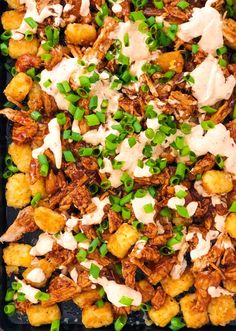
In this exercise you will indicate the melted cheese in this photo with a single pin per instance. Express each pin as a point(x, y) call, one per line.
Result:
point(206, 23)
point(115, 174)
point(215, 141)
point(96, 216)
point(137, 49)
point(210, 85)
point(52, 141)
point(31, 11)
point(138, 208)
point(43, 246)
point(85, 7)
point(116, 291)
point(61, 72)
point(29, 291)
point(67, 241)
point(216, 292)
point(36, 275)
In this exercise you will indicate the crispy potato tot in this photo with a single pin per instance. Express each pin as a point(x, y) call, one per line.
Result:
point(80, 34)
point(193, 318)
point(22, 47)
point(13, 3)
point(17, 255)
point(18, 193)
point(47, 269)
point(87, 298)
point(171, 61)
point(11, 269)
point(222, 310)
point(230, 285)
point(174, 287)
point(12, 19)
point(48, 220)
point(21, 155)
point(38, 187)
point(217, 182)
point(94, 317)
point(39, 315)
point(163, 316)
point(19, 87)
point(230, 225)
point(122, 240)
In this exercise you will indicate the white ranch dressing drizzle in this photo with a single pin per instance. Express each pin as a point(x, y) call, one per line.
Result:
point(32, 11)
point(36, 275)
point(203, 245)
point(125, 151)
point(67, 241)
point(96, 216)
point(61, 72)
point(215, 141)
point(216, 292)
point(29, 291)
point(43, 246)
point(207, 23)
point(137, 49)
point(142, 172)
point(74, 275)
point(220, 222)
point(84, 7)
point(52, 141)
point(210, 85)
point(115, 174)
point(116, 291)
point(138, 208)
point(98, 136)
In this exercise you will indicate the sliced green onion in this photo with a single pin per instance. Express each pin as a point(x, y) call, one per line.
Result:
point(158, 4)
point(99, 303)
point(9, 309)
point(9, 294)
point(223, 63)
point(209, 110)
point(36, 116)
point(44, 165)
point(47, 83)
point(207, 125)
point(105, 184)
point(16, 286)
point(182, 211)
point(137, 16)
point(166, 250)
point(55, 326)
point(42, 296)
point(120, 322)
point(181, 194)
point(80, 237)
point(69, 157)
point(140, 193)
point(165, 212)
point(195, 48)
point(46, 57)
point(92, 120)
point(93, 245)
point(183, 4)
point(94, 271)
point(125, 213)
point(219, 161)
point(232, 208)
point(127, 198)
point(61, 118)
point(37, 197)
point(148, 208)
point(81, 255)
point(79, 113)
point(103, 249)
point(31, 22)
point(132, 141)
point(176, 324)
point(86, 151)
point(126, 301)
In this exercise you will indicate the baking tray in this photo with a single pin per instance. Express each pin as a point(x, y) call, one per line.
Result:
point(71, 316)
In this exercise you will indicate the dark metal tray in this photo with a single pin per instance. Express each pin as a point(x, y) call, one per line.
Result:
point(71, 316)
